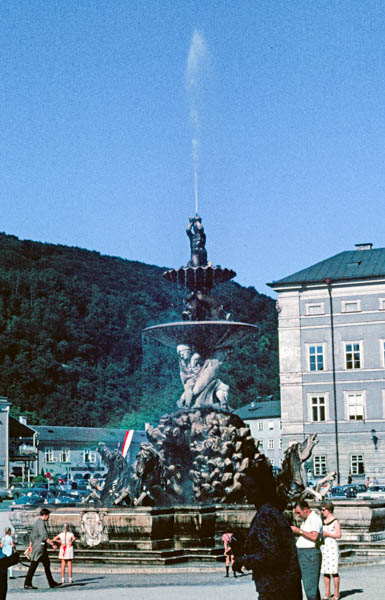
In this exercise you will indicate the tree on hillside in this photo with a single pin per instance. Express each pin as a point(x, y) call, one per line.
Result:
point(71, 326)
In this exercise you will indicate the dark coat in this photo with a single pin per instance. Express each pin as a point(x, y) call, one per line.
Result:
point(39, 536)
point(271, 553)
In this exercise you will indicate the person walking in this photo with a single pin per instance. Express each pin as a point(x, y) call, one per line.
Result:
point(229, 556)
point(331, 532)
point(5, 563)
point(309, 553)
point(7, 547)
point(270, 551)
point(66, 551)
point(38, 547)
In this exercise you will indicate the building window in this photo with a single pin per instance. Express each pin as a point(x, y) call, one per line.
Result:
point(280, 424)
point(49, 455)
point(271, 445)
point(381, 304)
point(349, 306)
point(316, 358)
point(315, 309)
point(89, 457)
point(357, 466)
point(280, 443)
point(353, 355)
point(382, 352)
point(260, 426)
point(319, 465)
point(318, 408)
point(65, 455)
point(271, 424)
point(355, 406)
point(260, 444)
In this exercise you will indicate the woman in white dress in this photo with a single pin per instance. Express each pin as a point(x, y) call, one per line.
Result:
point(66, 552)
point(331, 532)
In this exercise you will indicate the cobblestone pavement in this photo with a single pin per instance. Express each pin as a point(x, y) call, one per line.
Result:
point(356, 584)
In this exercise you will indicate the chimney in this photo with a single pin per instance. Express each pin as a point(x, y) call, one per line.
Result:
point(23, 420)
point(367, 246)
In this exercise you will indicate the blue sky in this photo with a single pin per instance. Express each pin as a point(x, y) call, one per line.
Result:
point(96, 134)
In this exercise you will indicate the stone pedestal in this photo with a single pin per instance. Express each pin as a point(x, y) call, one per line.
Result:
point(194, 526)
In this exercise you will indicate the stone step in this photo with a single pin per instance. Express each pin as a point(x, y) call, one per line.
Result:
point(145, 557)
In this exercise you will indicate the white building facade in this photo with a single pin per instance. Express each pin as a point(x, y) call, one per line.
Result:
point(332, 362)
point(264, 420)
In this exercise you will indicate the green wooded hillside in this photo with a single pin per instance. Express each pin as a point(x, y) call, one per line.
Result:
point(71, 324)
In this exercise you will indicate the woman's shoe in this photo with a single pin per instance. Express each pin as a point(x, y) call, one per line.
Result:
point(70, 581)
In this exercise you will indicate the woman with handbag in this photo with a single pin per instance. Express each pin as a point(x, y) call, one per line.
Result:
point(331, 532)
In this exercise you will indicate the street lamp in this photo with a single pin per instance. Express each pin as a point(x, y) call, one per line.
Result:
point(328, 282)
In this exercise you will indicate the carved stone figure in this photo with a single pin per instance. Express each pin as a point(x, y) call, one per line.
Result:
point(292, 479)
point(197, 239)
point(199, 377)
point(202, 307)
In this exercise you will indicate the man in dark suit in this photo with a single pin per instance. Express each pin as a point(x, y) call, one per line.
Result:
point(38, 547)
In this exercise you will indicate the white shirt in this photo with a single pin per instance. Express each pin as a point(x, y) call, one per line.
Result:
point(312, 523)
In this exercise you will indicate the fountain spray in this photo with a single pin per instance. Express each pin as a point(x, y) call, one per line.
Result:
point(197, 56)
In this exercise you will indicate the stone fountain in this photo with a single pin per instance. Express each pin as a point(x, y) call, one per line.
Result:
point(184, 490)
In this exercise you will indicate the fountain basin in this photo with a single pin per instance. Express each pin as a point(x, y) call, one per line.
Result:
point(208, 335)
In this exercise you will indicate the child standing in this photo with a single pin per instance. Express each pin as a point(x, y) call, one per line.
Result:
point(7, 547)
point(66, 552)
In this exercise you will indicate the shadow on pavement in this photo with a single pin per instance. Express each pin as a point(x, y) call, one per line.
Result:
point(347, 593)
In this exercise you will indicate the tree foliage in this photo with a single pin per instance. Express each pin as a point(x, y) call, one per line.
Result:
point(71, 326)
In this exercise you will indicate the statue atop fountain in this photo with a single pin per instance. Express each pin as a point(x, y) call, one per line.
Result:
point(197, 237)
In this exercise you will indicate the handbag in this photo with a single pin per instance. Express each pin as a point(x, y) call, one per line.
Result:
point(28, 554)
point(320, 539)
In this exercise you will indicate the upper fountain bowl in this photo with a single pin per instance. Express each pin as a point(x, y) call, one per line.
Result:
point(199, 278)
point(206, 335)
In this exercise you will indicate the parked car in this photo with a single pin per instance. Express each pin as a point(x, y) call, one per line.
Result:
point(341, 492)
point(5, 494)
point(359, 487)
point(66, 498)
point(350, 490)
point(30, 499)
point(372, 493)
point(19, 489)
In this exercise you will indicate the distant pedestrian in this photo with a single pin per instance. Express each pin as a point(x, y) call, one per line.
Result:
point(7, 547)
point(368, 482)
point(229, 554)
point(350, 478)
point(38, 548)
point(269, 550)
point(331, 532)
point(66, 552)
point(309, 553)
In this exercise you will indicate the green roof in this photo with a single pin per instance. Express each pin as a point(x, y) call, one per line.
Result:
point(259, 410)
point(348, 265)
